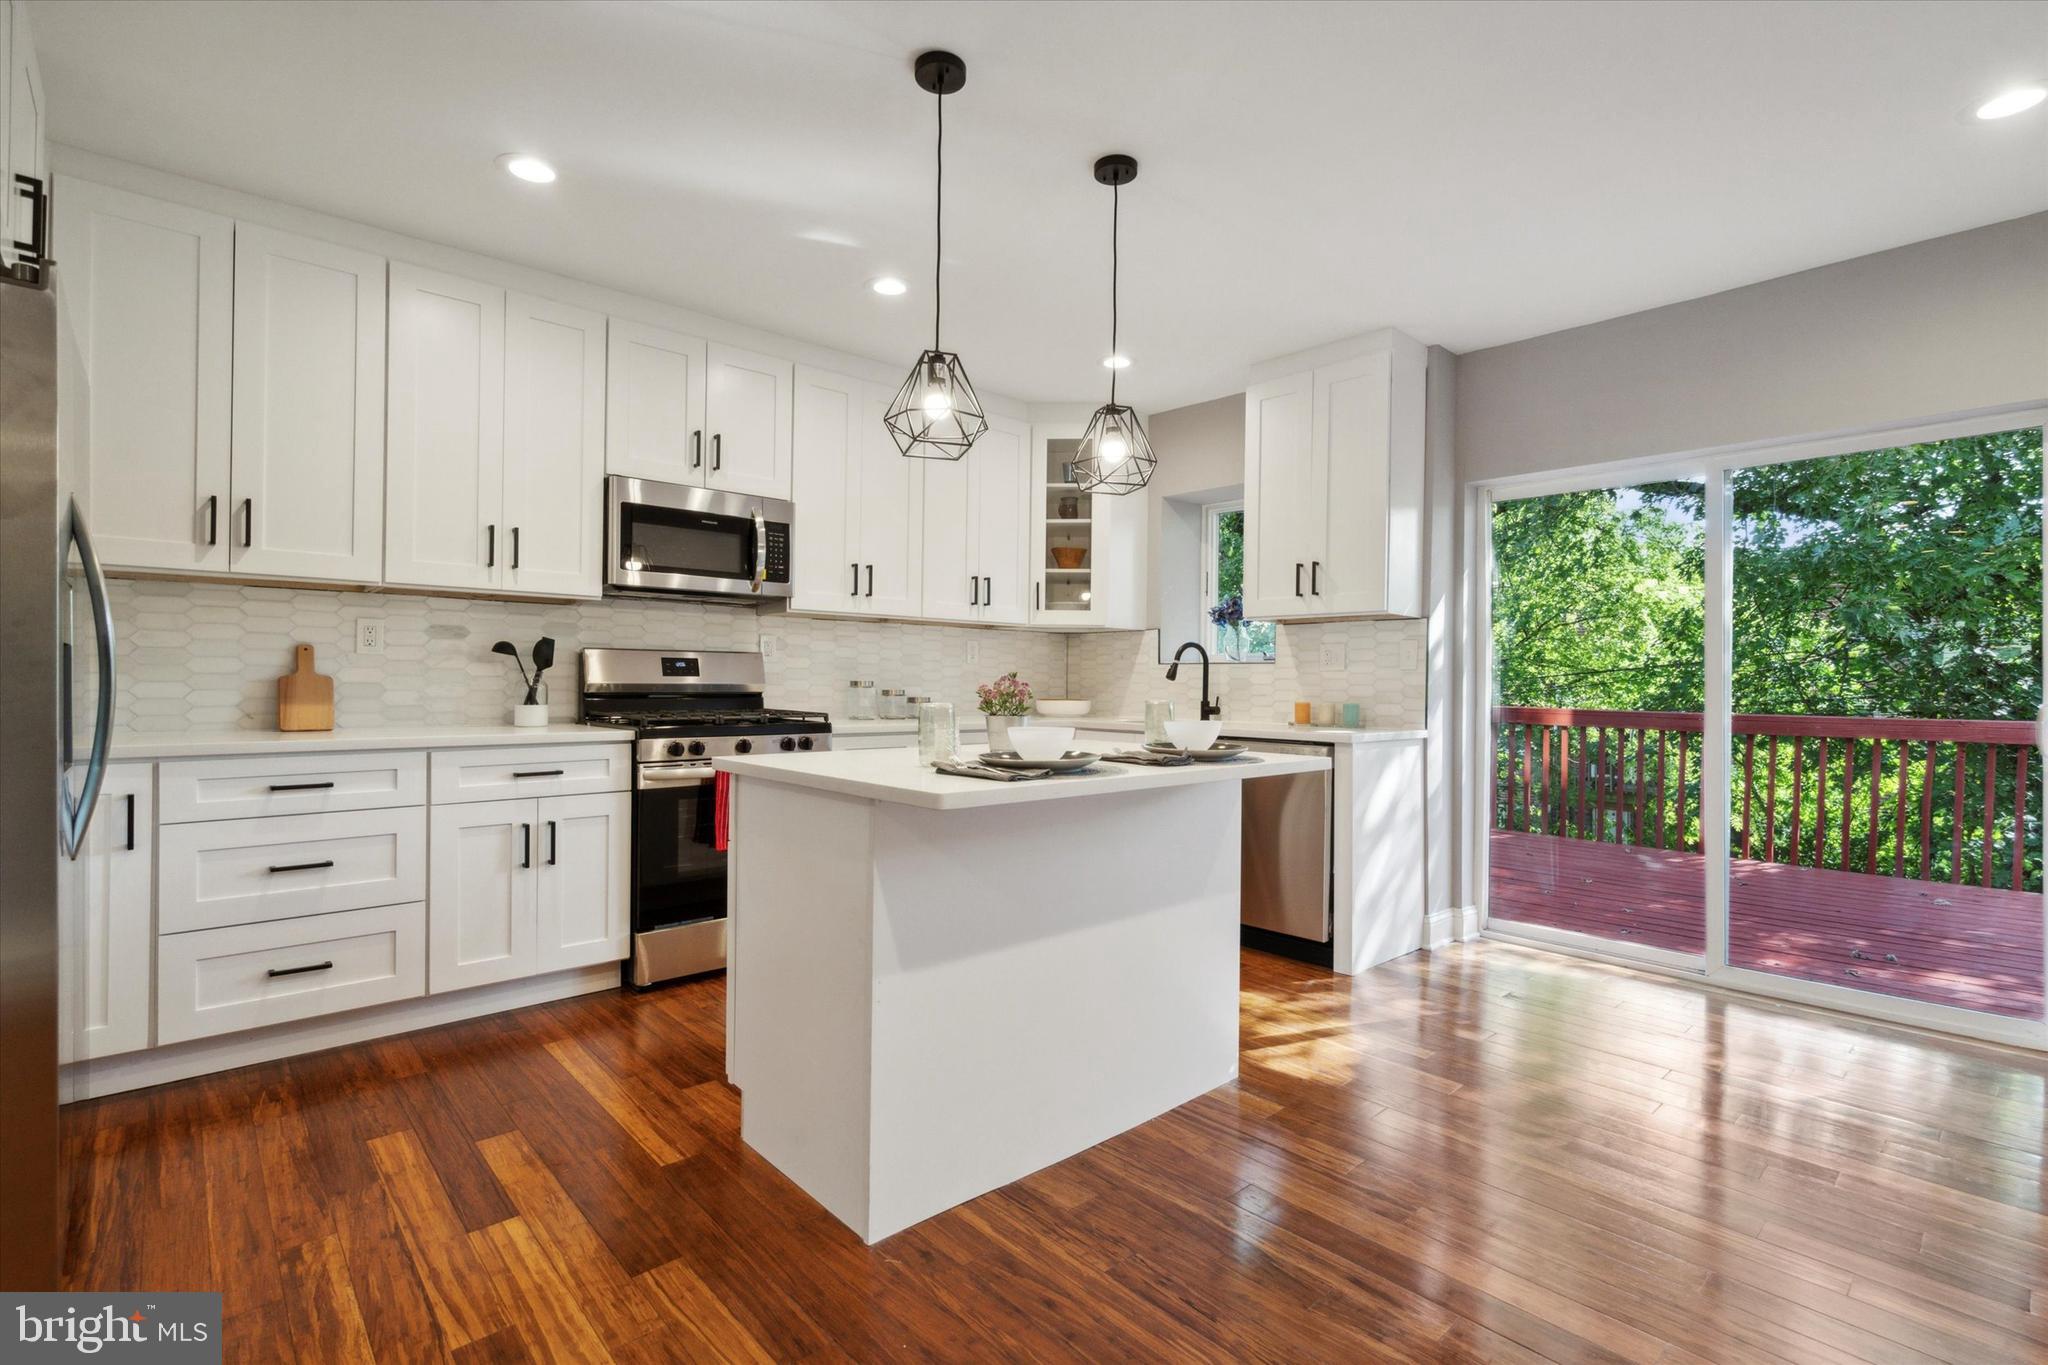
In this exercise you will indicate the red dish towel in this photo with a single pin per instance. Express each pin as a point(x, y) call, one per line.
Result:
point(721, 811)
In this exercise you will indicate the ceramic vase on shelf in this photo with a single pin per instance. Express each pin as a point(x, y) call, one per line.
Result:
point(534, 712)
point(999, 732)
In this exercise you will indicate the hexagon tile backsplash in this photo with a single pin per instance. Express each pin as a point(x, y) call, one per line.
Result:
point(206, 656)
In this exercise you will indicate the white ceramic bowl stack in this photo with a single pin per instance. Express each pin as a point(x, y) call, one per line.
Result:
point(1063, 707)
point(1193, 734)
point(1041, 741)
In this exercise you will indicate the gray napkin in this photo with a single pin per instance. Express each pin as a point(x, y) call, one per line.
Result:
point(1176, 759)
point(992, 774)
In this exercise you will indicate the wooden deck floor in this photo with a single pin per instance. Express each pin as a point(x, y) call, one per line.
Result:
point(1484, 1154)
point(1955, 945)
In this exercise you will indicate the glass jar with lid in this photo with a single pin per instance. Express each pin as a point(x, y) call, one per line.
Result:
point(860, 700)
point(895, 705)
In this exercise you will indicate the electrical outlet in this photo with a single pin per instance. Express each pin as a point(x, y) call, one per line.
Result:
point(768, 645)
point(369, 635)
point(1333, 656)
point(974, 651)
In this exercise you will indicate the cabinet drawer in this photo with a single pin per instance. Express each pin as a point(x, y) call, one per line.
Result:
point(220, 980)
point(242, 871)
point(544, 770)
point(235, 788)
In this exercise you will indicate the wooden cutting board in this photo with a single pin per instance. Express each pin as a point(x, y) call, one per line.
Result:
point(305, 699)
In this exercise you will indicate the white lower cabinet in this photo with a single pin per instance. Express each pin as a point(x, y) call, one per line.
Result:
point(250, 975)
point(105, 972)
point(221, 872)
point(521, 887)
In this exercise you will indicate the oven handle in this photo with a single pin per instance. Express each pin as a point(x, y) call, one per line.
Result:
point(760, 551)
point(656, 775)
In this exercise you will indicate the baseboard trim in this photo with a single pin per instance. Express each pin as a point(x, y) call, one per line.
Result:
point(182, 1061)
point(1457, 924)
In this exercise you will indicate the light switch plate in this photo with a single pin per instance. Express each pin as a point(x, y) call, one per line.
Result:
point(1334, 655)
point(974, 651)
point(369, 635)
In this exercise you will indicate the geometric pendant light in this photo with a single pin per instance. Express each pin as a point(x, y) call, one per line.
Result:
point(1115, 455)
point(936, 415)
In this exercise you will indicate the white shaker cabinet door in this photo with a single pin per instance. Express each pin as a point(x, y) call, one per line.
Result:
point(446, 431)
point(106, 970)
point(554, 448)
point(1278, 500)
point(890, 515)
point(480, 893)
point(747, 406)
point(825, 482)
point(654, 404)
point(952, 581)
point(583, 847)
point(151, 290)
point(1001, 467)
point(1348, 568)
point(308, 453)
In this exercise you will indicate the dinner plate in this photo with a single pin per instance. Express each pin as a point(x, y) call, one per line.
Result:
point(1070, 762)
point(1219, 752)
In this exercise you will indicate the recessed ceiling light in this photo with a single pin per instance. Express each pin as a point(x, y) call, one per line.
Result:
point(2015, 101)
point(1116, 362)
point(888, 285)
point(528, 168)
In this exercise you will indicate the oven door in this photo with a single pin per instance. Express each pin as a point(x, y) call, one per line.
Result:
point(678, 874)
point(669, 538)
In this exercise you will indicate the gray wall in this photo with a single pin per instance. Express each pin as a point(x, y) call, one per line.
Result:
point(1938, 327)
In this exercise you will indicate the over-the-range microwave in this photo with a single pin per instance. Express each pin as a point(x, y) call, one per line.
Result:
point(663, 539)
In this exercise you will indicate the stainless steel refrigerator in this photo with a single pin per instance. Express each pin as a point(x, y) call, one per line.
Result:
point(56, 712)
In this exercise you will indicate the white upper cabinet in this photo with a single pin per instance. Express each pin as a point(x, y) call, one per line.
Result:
point(24, 143)
point(857, 544)
point(654, 404)
point(747, 416)
point(150, 288)
point(307, 462)
point(554, 448)
point(1333, 485)
point(977, 522)
point(1106, 534)
point(447, 432)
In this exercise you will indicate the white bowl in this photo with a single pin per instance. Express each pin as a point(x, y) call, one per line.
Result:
point(1041, 741)
point(1049, 706)
point(1193, 734)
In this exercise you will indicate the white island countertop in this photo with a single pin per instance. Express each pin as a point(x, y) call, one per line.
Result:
point(1232, 729)
point(132, 745)
point(896, 776)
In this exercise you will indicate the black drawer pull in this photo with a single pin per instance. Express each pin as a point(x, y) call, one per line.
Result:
point(301, 786)
point(526, 845)
point(295, 971)
point(302, 867)
point(541, 772)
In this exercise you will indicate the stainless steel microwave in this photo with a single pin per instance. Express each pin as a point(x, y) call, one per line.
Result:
point(670, 538)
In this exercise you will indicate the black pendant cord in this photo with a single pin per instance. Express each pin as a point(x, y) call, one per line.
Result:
point(1116, 202)
point(939, 224)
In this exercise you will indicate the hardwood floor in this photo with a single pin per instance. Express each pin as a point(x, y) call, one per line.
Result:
point(1485, 1154)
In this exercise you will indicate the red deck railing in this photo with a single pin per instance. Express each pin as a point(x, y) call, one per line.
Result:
point(1933, 800)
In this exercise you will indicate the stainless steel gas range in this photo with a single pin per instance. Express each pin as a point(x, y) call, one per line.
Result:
point(685, 708)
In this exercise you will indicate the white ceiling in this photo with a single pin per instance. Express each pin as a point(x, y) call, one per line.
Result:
point(1471, 173)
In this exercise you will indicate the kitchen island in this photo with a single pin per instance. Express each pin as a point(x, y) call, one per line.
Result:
point(937, 985)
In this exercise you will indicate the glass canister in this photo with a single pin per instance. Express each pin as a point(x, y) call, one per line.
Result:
point(1157, 713)
point(938, 735)
point(895, 706)
point(860, 700)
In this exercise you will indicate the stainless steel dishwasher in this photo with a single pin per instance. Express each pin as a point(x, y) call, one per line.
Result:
point(1286, 860)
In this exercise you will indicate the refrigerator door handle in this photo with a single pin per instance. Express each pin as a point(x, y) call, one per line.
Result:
point(77, 817)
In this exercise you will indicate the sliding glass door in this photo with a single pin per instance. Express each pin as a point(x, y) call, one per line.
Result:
point(1774, 717)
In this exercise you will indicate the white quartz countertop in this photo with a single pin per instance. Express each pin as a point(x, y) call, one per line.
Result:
point(128, 745)
point(974, 721)
point(895, 775)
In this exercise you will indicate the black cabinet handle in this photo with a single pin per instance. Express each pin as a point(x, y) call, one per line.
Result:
point(131, 822)
point(248, 522)
point(515, 547)
point(526, 845)
point(295, 971)
point(300, 786)
point(871, 580)
point(491, 546)
point(554, 843)
point(302, 867)
point(973, 590)
point(717, 450)
point(1035, 596)
point(541, 772)
point(696, 450)
point(37, 247)
point(988, 592)
point(213, 519)
point(1315, 578)
point(1297, 580)
point(856, 580)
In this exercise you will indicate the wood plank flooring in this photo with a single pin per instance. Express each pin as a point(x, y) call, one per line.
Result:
point(1485, 1154)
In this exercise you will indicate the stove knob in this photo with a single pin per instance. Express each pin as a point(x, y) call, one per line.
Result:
point(696, 748)
point(804, 743)
point(675, 749)
point(787, 744)
point(743, 746)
